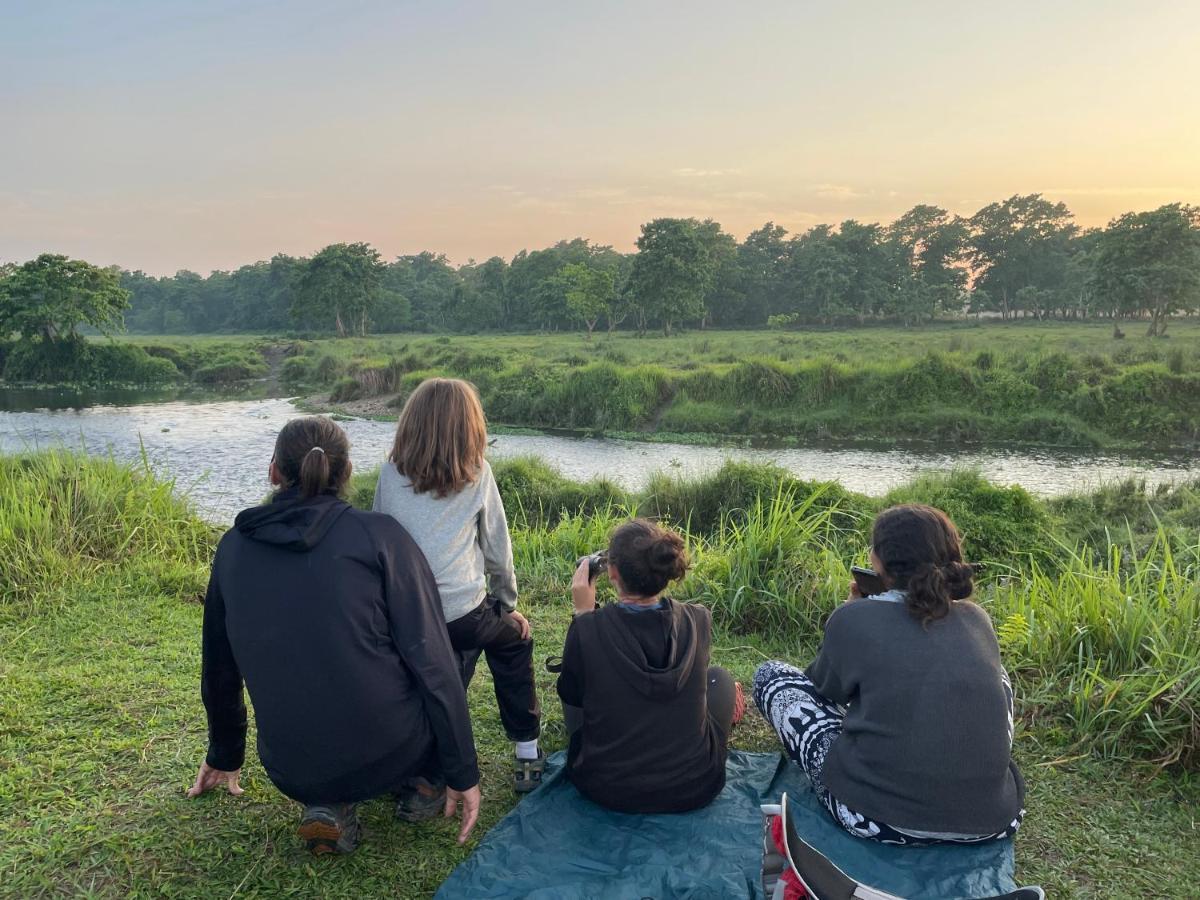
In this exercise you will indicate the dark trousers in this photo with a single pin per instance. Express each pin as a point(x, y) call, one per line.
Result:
point(491, 629)
point(721, 699)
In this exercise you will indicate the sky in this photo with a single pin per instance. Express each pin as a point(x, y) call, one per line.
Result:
point(204, 135)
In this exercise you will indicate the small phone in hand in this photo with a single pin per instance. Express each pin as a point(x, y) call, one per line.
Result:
point(868, 580)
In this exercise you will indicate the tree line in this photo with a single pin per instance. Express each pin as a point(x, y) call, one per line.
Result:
point(1020, 257)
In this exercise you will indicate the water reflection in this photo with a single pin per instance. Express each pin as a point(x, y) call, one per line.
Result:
point(218, 452)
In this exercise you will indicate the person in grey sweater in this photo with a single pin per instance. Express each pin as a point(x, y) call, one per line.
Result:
point(437, 484)
point(903, 722)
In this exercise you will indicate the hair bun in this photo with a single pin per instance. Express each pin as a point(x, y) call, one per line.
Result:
point(668, 556)
point(959, 576)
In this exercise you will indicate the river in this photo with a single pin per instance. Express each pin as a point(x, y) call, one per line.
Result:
point(218, 451)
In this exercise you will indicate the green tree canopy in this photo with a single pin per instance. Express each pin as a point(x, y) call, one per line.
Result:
point(1021, 242)
point(1150, 262)
point(589, 292)
point(51, 296)
point(341, 286)
point(671, 274)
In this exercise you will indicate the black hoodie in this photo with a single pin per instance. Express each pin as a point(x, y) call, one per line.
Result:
point(647, 744)
point(332, 617)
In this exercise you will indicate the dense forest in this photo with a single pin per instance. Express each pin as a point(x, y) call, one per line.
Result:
point(1021, 257)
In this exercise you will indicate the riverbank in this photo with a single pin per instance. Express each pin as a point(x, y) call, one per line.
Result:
point(1027, 384)
point(1022, 384)
point(103, 727)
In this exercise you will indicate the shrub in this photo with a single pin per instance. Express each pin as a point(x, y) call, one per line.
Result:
point(998, 524)
point(702, 504)
point(76, 361)
point(346, 389)
point(228, 370)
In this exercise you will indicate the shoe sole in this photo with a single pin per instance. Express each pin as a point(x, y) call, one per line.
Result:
point(321, 838)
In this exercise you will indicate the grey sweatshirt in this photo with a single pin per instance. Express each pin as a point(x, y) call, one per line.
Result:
point(926, 742)
point(464, 537)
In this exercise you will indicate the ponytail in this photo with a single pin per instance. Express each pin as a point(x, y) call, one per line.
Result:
point(313, 454)
point(921, 552)
point(314, 472)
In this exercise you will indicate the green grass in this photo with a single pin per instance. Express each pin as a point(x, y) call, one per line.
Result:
point(101, 725)
point(1054, 384)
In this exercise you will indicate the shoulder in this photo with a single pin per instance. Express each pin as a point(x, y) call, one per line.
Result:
point(972, 613)
point(390, 475)
point(697, 612)
point(863, 614)
point(485, 479)
point(230, 538)
point(379, 527)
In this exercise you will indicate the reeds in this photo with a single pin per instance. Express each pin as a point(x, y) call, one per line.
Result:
point(1103, 640)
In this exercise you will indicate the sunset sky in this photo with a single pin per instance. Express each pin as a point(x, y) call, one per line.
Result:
point(165, 135)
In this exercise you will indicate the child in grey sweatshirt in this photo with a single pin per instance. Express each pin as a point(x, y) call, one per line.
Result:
point(437, 484)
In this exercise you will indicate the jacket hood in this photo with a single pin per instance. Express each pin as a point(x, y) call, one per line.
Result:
point(629, 659)
point(291, 521)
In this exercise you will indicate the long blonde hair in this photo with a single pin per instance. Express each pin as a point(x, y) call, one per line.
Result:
point(441, 436)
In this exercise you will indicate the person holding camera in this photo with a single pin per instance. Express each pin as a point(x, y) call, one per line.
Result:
point(904, 722)
point(649, 718)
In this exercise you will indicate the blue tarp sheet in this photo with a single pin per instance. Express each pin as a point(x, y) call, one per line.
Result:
point(556, 845)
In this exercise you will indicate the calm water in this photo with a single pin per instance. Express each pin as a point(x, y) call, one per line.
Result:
point(218, 452)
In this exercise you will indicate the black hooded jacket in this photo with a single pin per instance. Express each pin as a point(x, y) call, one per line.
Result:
point(332, 617)
point(647, 743)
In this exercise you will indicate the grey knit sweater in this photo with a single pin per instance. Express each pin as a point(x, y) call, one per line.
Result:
point(926, 741)
point(464, 536)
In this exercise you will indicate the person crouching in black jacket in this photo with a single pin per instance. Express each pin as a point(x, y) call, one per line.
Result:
point(332, 618)
point(649, 719)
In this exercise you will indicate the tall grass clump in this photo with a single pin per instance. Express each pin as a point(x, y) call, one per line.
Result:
point(1112, 647)
point(707, 503)
point(998, 524)
point(66, 518)
point(780, 567)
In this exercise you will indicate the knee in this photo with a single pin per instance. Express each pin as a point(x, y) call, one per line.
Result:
point(767, 674)
point(717, 674)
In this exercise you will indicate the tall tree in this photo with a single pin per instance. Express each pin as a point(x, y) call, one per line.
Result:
point(817, 277)
point(760, 263)
point(51, 296)
point(340, 286)
point(872, 273)
point(1149, 262)
point(931, 252)
point(589, 292)
point(1021, 242)
point(671, 273)
point(723, 298)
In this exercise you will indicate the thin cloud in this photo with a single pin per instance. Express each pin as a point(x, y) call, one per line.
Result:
point(1117, 191)
point(837, 192)
point(689, 172)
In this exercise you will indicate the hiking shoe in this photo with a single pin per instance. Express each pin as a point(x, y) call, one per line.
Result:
point(414, 806)
point(739, 703)
point(330, 828)
point(529, 772)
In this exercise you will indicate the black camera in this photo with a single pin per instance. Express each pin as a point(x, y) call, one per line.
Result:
point(597, 562)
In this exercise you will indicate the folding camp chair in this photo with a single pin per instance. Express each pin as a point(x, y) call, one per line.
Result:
point(819, 875)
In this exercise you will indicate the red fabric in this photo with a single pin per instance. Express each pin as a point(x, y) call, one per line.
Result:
point(739, 703)
point(794, 890)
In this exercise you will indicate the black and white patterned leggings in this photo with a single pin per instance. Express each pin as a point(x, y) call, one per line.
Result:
point(807, 724)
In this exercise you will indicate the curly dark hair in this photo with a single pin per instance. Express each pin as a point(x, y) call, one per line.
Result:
point(647, 556)
point(921, 552)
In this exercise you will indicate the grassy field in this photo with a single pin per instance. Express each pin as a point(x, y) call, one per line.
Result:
point(1032, 383)
point(101, 726)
